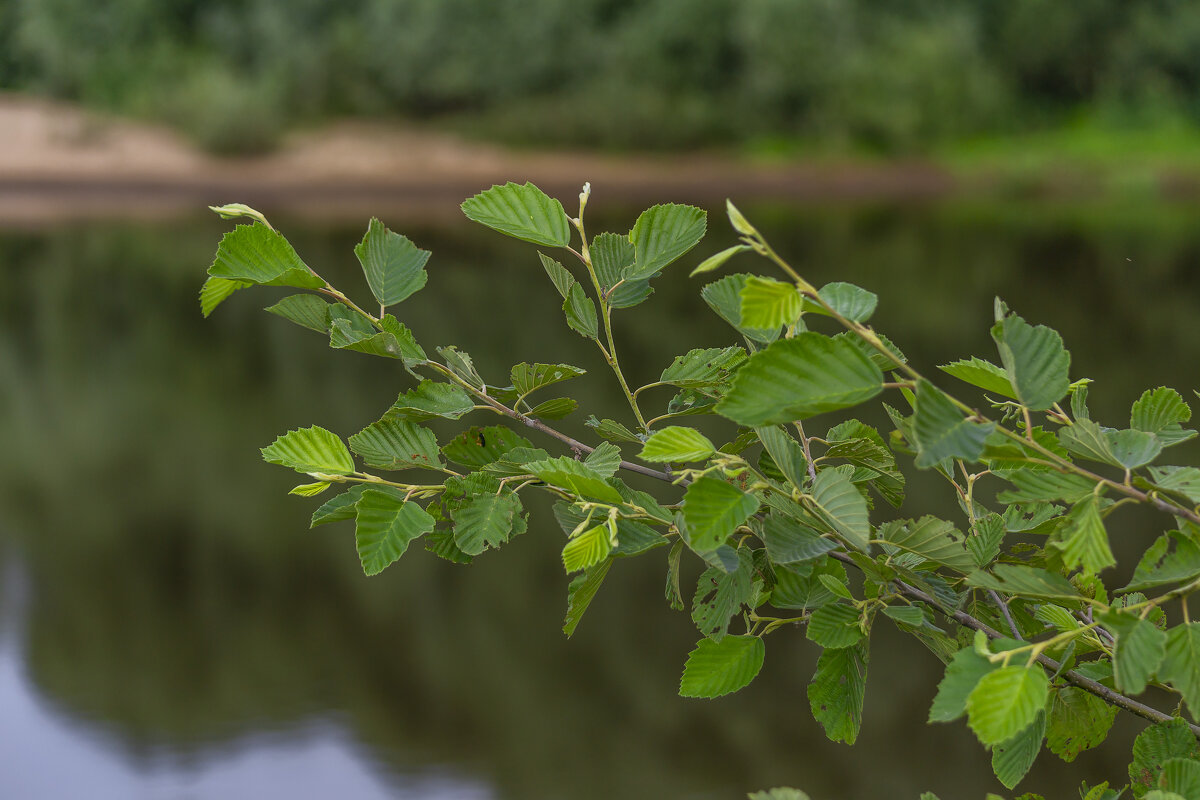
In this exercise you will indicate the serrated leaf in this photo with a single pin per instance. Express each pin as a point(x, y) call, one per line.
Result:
point(963, 674)
point(580, 311)
point(523, 212)
point(906, 615)
point(1159, 794)
point(341, 507)
point(477, 447)
point(675, 443)
point(576, 477)
point(557, 408)
point(662, 234)
point(393, 340)
point(1012, 759)
point(393, 444)
point(1181, 665)
point(1036, 362)
point(1183, 480)
point(559, 275)
point(1084, 538)
point(310, 450)
point(1158, 567)
point(1181, 778)
point(852, 302)
point(717, 260)
point(932, 539)
point(613, 430)
point(1078, 721)
point(528, 378)
point(785, 453)
point(983, 374)
point(942, 431)
point(719, 668)
point(430, 400)
point(797, 378)
point(216, 291)
point(485, 520)
point(780, 793)
point(835, 625)
point(393, 265)
point(1132, 448)
point(306, 310)
point(720, 594)
point(713, 509)
point(789, 542)
point(1157, 409)
point(1139, 649)
point(310, 489)
point(256, 254)
point(769, 304)
point(1017, 579)
point(984, 546)
point(725, 298)
point(605, 459)
point(1039, 485)
point(587, 549)
point(836, 692)
point(1006, 701)
point(1154, 747)
point(611, 256)
point(837, 502)
point(384, 528)
point(705, 367)
point(580, 594)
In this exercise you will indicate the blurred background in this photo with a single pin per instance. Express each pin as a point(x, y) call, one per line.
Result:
point(170, 628)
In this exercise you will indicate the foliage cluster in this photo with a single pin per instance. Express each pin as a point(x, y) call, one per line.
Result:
point(790, 527)
point(886, 75)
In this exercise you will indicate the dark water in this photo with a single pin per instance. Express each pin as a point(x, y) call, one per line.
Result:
point(170, 628)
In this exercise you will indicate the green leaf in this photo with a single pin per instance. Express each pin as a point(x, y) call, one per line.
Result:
point(1140, 648)
point(662, 234)
point(394, 340)
point(1158, 567)
point(1084, 539)
point(306, 310)
point(785, 453)
point(239, 211)
point(556, 408)
point(605, 459)
point(477, 447)
point(523, 212)
point(837, 502)
point(309, 489)
point(769, 304)
point(981, 373)
point(587, 549)
point(708, 367)
point(215, 291)
point(675, 443)
point(1183, 480)
point(385, 527)
point(430, 400)
point(963, 674)
point(310, 450)
point(613, 430)
point(1019, 579)
point(837, 690)
point(789, 542)
point(1134, 448)
point(1039, 485)
point(1158, 409)
point(1181, 666)
point(720, 594)
point(719, 668)
point(835, 625)
point(1005, 702)
point(342, 506)
point(1181, 778)
point(713, 509)
point(393, 444)
point(1159, 794)
point(798, 378)
point(393, 265)
point(1154, 747)
point(932, 539)
point(485, 520)
point(528, 378)
point(1078, 721)
point(1012, 759)
point(852, 302)
point(612, 254)
point(560, 276)
point(725, 298)
point(942, 431)
point(580, 593)
point(906, 615)
point(576, 477)
point(716, 261)
point(580, 311)
point(780, 793)
point(1036, 362)
point(257, 254)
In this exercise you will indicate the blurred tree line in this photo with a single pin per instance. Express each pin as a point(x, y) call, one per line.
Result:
point(876, 75)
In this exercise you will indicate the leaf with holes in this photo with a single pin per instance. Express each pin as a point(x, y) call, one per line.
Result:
point(528, 378)
point(837, 690)
point(485, 520)
point(1078, 721)
point(1011, 759)
point(430, 400)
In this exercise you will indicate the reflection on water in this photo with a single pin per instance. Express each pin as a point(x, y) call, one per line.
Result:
point(173, 630)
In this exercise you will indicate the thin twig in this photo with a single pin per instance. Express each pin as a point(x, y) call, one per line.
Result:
point(1003, 606)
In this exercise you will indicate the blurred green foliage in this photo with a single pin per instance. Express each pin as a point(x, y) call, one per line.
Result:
point(887, 76)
